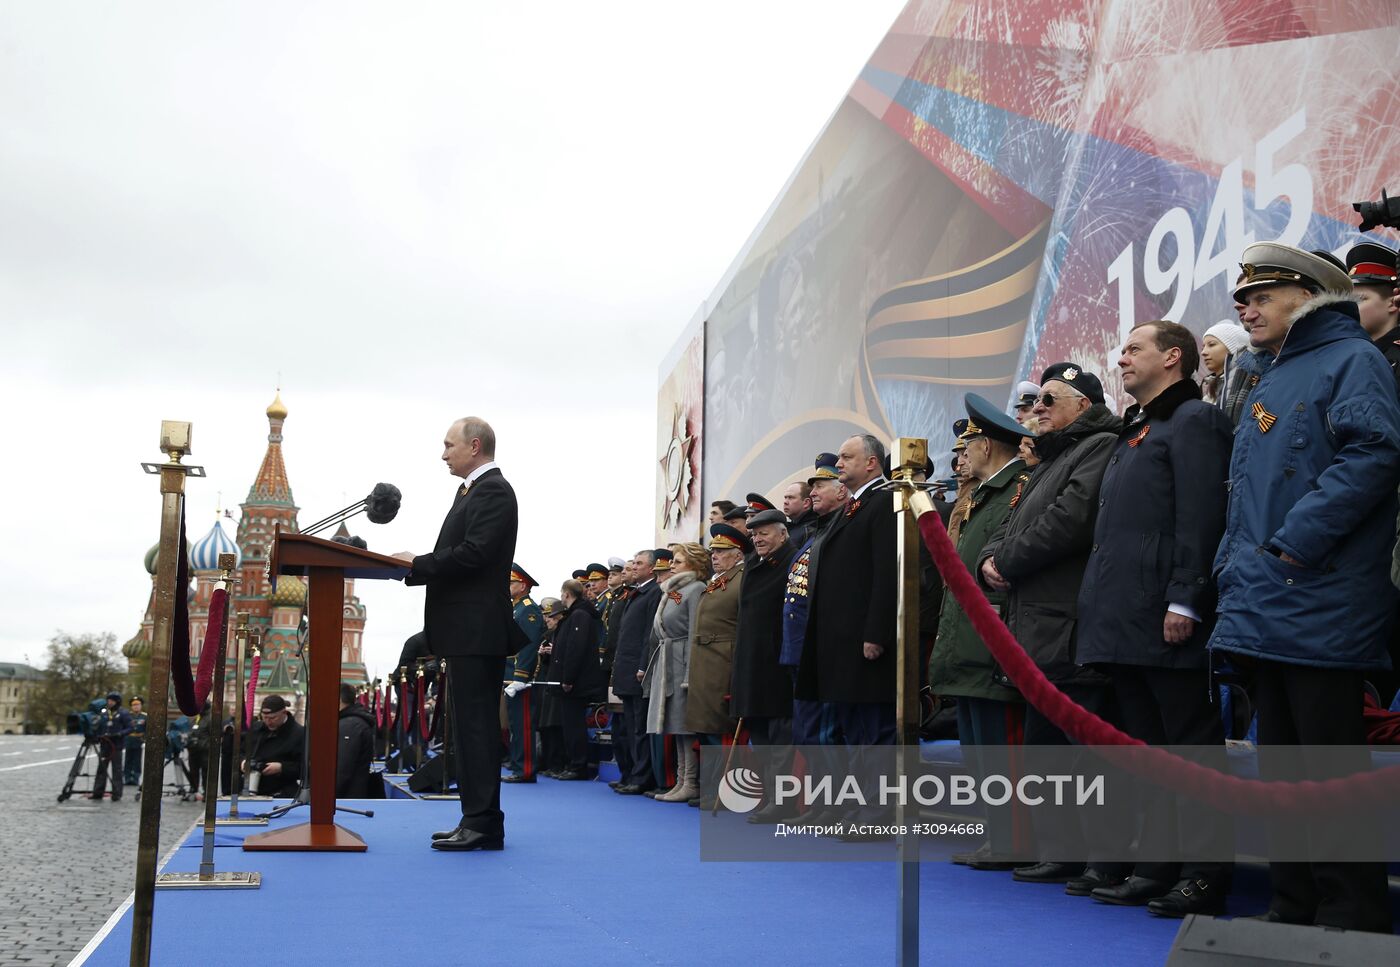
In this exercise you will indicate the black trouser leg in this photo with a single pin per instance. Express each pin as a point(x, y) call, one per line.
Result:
point(1171, 706)
point(635, 708)
point(573, 713)
point(474, 683)
point(1300, 705)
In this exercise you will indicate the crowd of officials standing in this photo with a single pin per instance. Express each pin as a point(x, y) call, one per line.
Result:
point(1240, 521)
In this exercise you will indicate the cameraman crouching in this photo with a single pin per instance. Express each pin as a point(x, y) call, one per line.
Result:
point(276, 743)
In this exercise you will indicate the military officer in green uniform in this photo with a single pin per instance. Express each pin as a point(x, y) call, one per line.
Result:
point(520, 701)
point(989, 709)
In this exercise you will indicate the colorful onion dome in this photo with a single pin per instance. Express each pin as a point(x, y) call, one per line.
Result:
point(204, 554)
point(290, 593)
point(150, 559)
point(138, 648)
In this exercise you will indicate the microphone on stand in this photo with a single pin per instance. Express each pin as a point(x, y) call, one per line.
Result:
point(381, 506)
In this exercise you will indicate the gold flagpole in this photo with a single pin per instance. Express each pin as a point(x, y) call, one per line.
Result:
point(235, 766)
point(207, 878)
point(910, 455)
point(175, 444)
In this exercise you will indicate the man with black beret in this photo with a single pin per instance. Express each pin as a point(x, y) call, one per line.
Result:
point(276, 745)
point(1037, 558)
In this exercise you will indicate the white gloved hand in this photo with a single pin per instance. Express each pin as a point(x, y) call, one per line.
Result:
point(515, 688)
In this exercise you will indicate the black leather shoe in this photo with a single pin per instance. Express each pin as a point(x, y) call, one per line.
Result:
point(615, 783)
point(514, 777)
point(469, 839)
point(1048, 872)
point(1132, 892)
point(571, 775)
point(1189, 896)
point(1091, 880)
point(630, 790)
point(693, 801)
point(653, 793)
point(446, 833)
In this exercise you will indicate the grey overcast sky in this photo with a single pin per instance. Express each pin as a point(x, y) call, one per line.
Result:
point(406, 212)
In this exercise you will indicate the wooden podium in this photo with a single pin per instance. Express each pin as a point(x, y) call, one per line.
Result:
point(326, 565)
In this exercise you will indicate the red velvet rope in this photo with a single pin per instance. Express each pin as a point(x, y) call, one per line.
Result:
point(388, 707)
point(405, 709)
point(252, 690)
point(213, 650)
point(1227, 793)
point(425, 728)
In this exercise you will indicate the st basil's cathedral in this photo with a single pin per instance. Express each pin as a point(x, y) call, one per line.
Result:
point(276, 613)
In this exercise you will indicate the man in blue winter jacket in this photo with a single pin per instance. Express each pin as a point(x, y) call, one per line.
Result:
point(1304, 593)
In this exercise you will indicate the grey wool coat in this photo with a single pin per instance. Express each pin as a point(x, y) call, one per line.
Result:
point(668, 667)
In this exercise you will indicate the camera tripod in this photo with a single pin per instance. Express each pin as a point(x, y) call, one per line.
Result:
point(77, 771)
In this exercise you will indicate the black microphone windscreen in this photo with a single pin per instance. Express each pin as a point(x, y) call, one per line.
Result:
point(382, 504)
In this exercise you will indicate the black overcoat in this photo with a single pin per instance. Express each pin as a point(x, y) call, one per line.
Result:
point(633, 631)
point(467, 610)
point(1043, 547)
point(576, 653)
point(760, 687)
point(852, 602)
point(1160, 519)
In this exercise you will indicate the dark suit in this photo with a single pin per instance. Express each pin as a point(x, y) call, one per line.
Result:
point(467, 620)
point(628, 659)
point(852, 602)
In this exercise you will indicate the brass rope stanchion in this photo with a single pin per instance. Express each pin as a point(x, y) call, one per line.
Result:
point(908, 456)
point(207, 878)
point(175, 444)
point(235, 772)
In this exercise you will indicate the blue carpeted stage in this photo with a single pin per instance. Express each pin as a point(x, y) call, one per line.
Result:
point(590, 877)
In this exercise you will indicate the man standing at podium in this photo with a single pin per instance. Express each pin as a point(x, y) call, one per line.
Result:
point(467, 620)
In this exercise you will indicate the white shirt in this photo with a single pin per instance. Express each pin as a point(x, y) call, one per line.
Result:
point(475, 474)
point(866, 486)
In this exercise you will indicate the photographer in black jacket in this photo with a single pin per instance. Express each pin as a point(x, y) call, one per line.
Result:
point(277, 743)
point(352, 775)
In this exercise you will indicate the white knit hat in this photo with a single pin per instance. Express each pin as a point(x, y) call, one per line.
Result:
point(1231, 333)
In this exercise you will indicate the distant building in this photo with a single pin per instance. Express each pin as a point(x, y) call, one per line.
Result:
point(17, 684)
point(276, 613)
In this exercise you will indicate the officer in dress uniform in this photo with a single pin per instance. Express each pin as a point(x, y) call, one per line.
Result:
point(757, 504)
point(135, 744)
point(1372, 268)
point(521, 705)
point(596, 586)
point(610, 610)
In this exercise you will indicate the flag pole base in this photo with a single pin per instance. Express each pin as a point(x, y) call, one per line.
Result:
point(235, 821)
point(216, 881)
